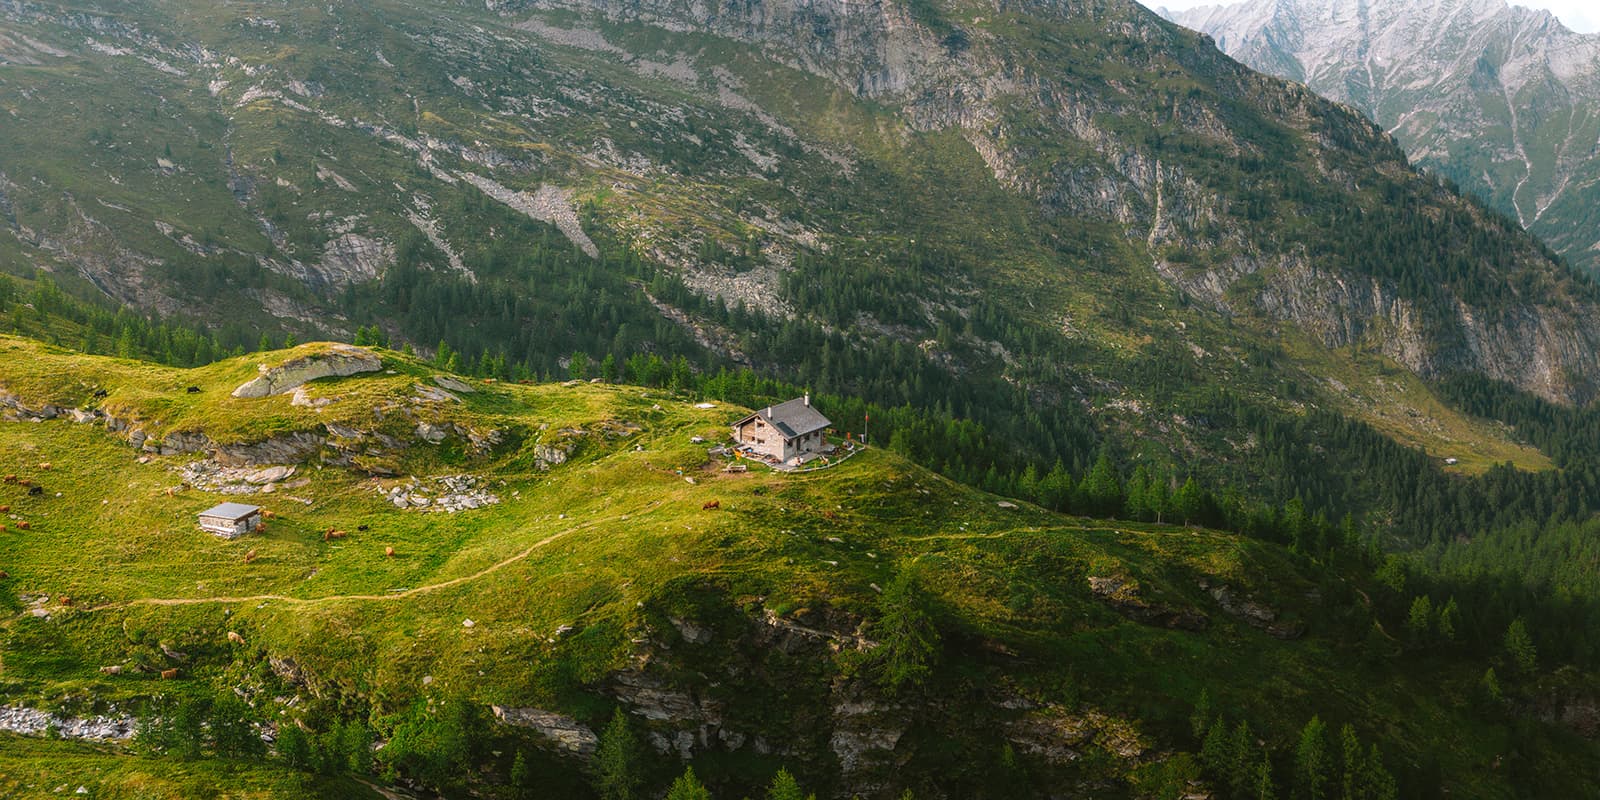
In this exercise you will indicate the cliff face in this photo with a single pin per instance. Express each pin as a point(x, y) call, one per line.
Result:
point(1051, 159)
point(1096, 143)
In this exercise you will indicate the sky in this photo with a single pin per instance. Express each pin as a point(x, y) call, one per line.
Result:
point(1579, 15)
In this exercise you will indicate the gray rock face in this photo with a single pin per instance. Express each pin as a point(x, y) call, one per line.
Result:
point(1502, 98)
point(566, 732)
point(33, 722)
point(342, 360)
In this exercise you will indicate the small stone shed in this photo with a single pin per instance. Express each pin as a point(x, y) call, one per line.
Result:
point(230, 520)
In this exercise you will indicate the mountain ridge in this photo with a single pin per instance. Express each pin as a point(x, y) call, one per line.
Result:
point(1502, 99)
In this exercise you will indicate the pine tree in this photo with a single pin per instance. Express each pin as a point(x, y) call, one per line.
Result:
point(1311, 761)
point(294, 746)
point(521, 777)
point(1419, 622)
point(1188, 503)
point(1353, 765)
point(1449, 620)
point(1264, 787)
point(1101, 489)
point(615, 770)
point(1379, 783)
point(909, 640)
point(1241, 746)
point(1201, 714)
point(578, 367)
point(784, 787)
point(1519, 646)
point(1214, 750)
point(688, 787)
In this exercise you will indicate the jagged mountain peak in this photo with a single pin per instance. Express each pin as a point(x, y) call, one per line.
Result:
point(1503, 99)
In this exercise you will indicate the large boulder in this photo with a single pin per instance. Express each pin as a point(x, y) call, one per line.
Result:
point(339, 360)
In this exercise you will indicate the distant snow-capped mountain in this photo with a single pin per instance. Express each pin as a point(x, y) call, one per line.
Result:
point(1502, 99)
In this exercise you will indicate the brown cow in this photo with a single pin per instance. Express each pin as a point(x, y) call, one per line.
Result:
point(4, 575)
point(44, 465)
point(261, 527)
point(24, 525)
point(233, 636)
point(388, 552)
point(332, 534)
point(4, 509)
point(2, 528)
point(24, 482)
point(64, 600)
point(265, 514)
point(11, 479)
point(250, 556)
point(711, 505)
point(169, 674)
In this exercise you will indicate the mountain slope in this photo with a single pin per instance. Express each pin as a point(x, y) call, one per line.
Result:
point(1034, 208)
point(1070, 650)
point(1503, 100)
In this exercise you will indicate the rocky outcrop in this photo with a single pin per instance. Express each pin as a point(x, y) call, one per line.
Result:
point(447, 493)
point(1256, 615)
point(565, 732)
point(339, 360)
point(33, 722)
point(1123, 594)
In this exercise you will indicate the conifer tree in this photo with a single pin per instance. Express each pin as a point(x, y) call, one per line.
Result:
point(615, 771)
point(909, 640)
point(784, 787)
point(1311, 761)
point(688, 787)
point(1519, 646)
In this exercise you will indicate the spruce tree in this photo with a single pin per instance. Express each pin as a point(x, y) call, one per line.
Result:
point(784, 787)
point(688, 787)
point(615, 771)
point(1519, 646)
point(909, 640)
point(1311, 761)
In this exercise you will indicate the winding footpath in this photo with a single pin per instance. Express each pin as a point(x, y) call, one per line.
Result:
point(389, 596)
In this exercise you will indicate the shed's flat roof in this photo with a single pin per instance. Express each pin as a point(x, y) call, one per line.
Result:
point(234, 511)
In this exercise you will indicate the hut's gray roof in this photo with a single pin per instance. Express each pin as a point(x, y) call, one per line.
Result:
point(794, 418)
point(233, 511)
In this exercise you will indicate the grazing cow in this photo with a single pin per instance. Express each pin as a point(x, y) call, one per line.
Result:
point(24, 525)
point(388, 552)
point(64, 600)
point(233, 636)
point(332, 534)
point(4, 509)
point(361, 527)
point(261, 527)
point(2, 528)
point(45, 466)
point(111, 670)
point(711, 505)
point(193, 390)
point(265, 514)
point(11, 479)
point(24, 482)
point(169, 674)
point(829, 514)
point(4, 575)
point(36, 490)
point(250, 556)
point(100, 394)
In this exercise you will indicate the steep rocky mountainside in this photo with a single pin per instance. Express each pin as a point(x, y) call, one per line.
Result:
point(1070, 206)
point(1501, 99)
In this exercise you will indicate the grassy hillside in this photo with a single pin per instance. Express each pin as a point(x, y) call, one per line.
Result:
point(743, 638)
